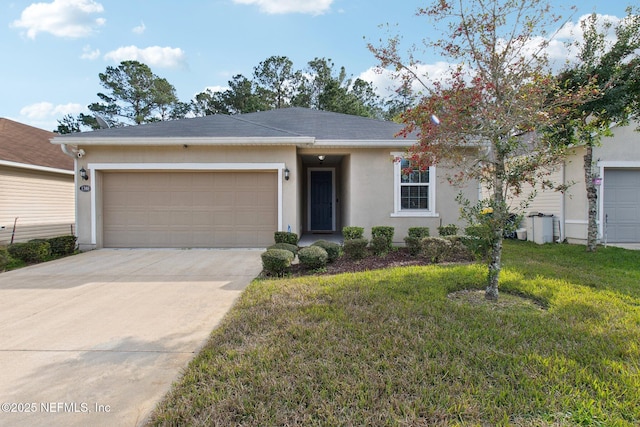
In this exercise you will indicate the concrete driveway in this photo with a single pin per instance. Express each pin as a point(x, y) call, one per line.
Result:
point(98, 338)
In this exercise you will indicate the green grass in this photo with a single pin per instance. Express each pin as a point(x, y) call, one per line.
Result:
point(392, 347)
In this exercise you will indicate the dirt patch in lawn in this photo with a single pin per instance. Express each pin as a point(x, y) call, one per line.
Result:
point(505, 300)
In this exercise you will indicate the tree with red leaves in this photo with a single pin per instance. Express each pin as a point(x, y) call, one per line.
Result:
point(487, 116)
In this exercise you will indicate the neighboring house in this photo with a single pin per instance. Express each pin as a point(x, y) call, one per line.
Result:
point(36, 185)
point(232, 181)
point(617, 163)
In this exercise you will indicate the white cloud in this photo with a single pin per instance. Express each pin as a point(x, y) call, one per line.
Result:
point(313, 7)
point(164, 57)
point(46, 110)
point(89, 54)
point(386, 82)
point(62, 18)
point(140, 28)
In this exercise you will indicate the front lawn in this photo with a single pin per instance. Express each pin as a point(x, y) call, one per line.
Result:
point(404, 346)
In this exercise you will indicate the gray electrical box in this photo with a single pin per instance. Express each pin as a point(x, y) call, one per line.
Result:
point(540, 228)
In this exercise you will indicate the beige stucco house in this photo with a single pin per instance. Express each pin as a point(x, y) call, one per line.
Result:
point(232, 181)
point(617, 164)
point(37, 196)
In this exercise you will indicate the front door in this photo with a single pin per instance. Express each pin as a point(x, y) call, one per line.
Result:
point(321, 197)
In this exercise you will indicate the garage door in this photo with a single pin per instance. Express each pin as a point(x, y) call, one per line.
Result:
point(622, 205)
point(189, 209)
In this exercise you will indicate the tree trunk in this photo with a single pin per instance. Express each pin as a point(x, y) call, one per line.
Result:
point(592, 198)
point(495, 265)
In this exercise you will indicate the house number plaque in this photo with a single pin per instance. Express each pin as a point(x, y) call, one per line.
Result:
point(85, 188)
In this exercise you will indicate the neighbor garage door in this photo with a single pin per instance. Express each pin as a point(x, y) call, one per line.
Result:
point(622, 205)
point(189, 209)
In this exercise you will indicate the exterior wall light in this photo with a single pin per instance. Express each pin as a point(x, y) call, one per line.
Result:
point(83, 174)
point(286, 174)
point(321, 157)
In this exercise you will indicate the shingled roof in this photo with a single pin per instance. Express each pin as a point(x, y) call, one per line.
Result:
point(20, 143)
point(279, 123)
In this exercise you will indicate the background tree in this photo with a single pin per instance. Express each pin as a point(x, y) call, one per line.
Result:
point(136, 95)
point(613, 65)
point(274, 77)
point(494, 97)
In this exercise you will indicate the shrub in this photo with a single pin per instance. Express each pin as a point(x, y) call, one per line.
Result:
point(286, 246)
point(414, 239)
point(436, 249)
point(62, 245)
point(351, 232)
point(313, 257)
point(286, 237)
point(277, 261)
point(419, 232)
point(382, 239)
point(461, 246)
point(32, 251)
point(355, 248)
point(332, 248)
point(380, 246)
point(479, 241)
point(448, 230)
point(5, 259)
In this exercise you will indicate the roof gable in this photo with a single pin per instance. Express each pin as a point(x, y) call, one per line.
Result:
point(20, 143)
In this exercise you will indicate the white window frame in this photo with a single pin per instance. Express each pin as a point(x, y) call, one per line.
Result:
point(397, 194)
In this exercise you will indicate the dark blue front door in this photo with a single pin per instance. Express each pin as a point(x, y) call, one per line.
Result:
point(321, 200)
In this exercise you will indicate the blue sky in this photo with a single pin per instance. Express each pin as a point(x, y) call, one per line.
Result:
point(53, 50)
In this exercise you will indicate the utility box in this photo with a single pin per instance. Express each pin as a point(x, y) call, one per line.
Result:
point(540, 228)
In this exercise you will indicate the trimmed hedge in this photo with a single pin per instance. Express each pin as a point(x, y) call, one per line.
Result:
point(33, 251)
point(382, 239)
point(414, 239)
point(286, 246)
point(62, 245)
point(286, 237)
point(332, 248)
point(356, 248)
point(448, 230)
point(313, 257)
point(5, 259)
point(436, 249)
point(352, 232)
point(277, 261)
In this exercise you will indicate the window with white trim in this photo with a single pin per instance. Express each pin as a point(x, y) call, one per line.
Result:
point(414, 192)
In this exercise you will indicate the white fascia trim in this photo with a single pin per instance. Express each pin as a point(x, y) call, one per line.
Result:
point(35, 167)
point(350, 143)
point(93, 167)
point(170, 141)
point(617, 164)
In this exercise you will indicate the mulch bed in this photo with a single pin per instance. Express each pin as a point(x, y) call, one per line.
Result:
point(399, 257)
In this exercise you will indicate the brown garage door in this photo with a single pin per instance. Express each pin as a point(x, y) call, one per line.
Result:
point(189, 209)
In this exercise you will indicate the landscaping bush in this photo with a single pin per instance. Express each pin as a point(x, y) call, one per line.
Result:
point(382, 239)
point(479, 242)
point(5, 259)
point(277, 261)
point(448, 230)
point(461, 247)
point(33, 251)
point(414, 239)
point(62, 245)
point(286, 237)
point(419, 232)
point(380, 246)
point(351, 233)
point(286, 246)
point(436, 249)
point(332, 248)
point(313, 257)
point(355, 248)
